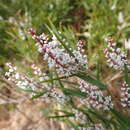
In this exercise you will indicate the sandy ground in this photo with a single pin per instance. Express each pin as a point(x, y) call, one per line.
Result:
point(26, 116)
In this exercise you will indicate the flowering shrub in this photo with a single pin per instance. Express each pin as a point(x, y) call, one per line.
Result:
point(125, 96)
point(95, 97)
point(116, 58)
point(66, 63)
point(80, 73)
point(83, 100)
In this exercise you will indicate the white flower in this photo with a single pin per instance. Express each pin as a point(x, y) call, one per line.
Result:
point(17, 75)
point(95, 96)
point(121, 17)
point(11, 70)
point(87, 34)
point(115, 57)
point(125, 95)
point(113, 7)
point(58, 57)
point(1, 18)
point(124, 105)
point(7, 74)
point(127, 44)
point(21, 34)
point(122, 26)
point(41, 79)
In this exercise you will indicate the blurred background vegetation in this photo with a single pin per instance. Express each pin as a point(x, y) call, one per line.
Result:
point(90, 20)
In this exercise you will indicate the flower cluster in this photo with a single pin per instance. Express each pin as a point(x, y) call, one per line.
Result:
point(54, 95)
point(80, 116)
point(125, 95)
point(59, 96)
point(95, 96)
point(80, 46)
point(21, 24)
point(122, 21)
point(97, 127)
point(22, 81)
point(38, 72)
point(57, 56)
point(127, 44)
point(35, 85)
point(115, 57)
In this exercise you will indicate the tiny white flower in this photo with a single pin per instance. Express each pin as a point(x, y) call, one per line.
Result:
point(11, 70)
point(41, 79)
point(121, 17)
point(127, 44)
point(123, 104)
point(113, 7)
point(17, 76)
point(40, 50)
point(7, 74)
point(128, 95)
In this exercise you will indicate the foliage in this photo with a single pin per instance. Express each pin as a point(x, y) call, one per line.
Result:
point(82, 89)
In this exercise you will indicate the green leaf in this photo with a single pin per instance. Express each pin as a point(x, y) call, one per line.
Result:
point(74, 92)
point(62, 116)
point(54, 31)
point(91, 80)
point(39, 94)
point(123, 120)
point(106, 122)
point(58, 78)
